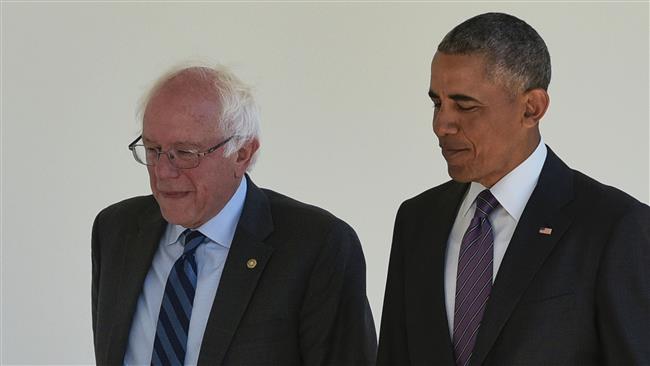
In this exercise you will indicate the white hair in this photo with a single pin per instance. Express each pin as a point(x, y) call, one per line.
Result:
point(239, 113)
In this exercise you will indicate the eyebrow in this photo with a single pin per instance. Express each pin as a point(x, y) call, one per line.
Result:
point(455, 97)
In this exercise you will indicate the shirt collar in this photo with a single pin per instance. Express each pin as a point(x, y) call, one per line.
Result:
point(514, 189)
point(221, 228)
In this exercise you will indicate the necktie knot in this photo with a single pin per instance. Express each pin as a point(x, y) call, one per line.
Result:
point(192, 240)
point(485, 203)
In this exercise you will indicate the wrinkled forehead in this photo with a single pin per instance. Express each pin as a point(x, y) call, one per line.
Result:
point(183, 104)
point(170, 104)
point(473, 71)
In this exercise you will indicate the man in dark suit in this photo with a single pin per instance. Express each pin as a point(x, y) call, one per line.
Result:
point(519, 260)
point(211, 269)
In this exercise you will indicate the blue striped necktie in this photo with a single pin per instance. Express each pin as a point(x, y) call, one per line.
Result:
point(474, 278)
point(176, 308)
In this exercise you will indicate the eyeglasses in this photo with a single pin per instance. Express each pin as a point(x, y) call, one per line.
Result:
point(179, 158)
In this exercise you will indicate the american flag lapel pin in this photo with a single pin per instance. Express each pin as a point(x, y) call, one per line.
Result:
point(545, 230)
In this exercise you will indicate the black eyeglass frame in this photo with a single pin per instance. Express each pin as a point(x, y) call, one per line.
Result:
point(172, 158)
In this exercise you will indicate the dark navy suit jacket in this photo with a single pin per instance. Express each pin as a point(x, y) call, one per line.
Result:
point(580, 296)
point(304, 303)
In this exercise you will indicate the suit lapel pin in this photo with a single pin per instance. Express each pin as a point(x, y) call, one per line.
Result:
point(545, 230)
point(251, 263)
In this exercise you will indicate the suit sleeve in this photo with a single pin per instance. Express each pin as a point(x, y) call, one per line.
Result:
point(336, 325)
point(623, 293)
point(393, 346)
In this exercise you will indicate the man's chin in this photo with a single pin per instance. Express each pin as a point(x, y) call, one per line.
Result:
point(180, 222)
point(458, 174)
point(176, 215)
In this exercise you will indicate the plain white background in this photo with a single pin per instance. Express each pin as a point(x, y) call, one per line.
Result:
point(346, 122)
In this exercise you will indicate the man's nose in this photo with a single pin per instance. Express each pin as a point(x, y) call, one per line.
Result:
point(445, 121)
point(164, 167)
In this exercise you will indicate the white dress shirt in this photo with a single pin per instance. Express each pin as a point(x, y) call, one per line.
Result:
point(210, 259)
point(512, 192)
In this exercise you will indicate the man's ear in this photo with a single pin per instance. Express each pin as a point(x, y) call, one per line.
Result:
point(536, 104)
point(244, 156)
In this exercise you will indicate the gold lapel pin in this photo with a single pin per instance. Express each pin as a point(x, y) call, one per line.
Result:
point(545, 230)
point(251, 263)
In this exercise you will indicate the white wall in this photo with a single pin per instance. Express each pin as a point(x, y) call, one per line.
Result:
point(346, 122)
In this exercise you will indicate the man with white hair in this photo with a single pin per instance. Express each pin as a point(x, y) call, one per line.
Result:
point(212, 269)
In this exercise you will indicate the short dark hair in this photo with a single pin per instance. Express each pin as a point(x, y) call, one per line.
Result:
point(515, 53)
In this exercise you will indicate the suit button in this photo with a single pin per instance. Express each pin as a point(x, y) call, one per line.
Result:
point(252, 263)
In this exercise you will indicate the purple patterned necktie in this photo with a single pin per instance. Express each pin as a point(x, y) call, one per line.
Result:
point(474, 278)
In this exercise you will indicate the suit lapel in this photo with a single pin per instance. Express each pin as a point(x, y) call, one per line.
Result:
point(527, 249)
point(429, 339)
point(238, 281)
point(139, 249)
